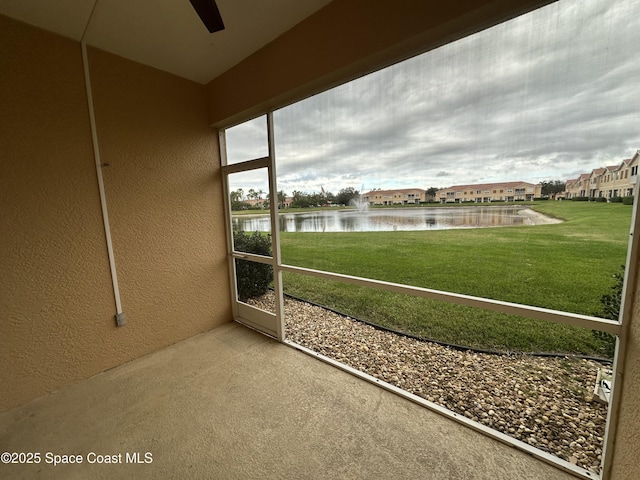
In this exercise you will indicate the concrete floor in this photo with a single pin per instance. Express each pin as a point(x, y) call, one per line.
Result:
point(234, 404)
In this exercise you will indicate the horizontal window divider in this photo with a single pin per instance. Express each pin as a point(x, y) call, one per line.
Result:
point(529, 311)
point(247, 165)
point(253, 257)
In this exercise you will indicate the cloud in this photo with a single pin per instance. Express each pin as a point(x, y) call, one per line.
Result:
point(543, 96)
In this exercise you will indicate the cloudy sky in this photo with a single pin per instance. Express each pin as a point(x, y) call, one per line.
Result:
point(548, 95)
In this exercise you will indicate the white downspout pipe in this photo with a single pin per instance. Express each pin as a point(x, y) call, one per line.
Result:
point(120, 317)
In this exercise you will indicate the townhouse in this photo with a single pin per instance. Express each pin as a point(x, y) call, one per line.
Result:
point(402, 196)
point(606, 182)
point(490, 192)
point(577, 187)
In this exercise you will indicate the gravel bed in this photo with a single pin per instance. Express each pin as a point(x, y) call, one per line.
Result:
point(545, 402)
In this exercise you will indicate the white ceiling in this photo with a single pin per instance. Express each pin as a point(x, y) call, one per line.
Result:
point(167, 34)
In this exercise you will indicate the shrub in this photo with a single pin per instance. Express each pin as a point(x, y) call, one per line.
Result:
point(580, 199)
point(253, 278)
point(627, 200)
point(601, 199)
point(615, 199)
point(239, 205)
point(610, 310)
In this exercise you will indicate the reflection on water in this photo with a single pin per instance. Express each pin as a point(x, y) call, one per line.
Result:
point(381, 220)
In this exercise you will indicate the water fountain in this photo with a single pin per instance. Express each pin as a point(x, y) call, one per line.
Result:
point(360, 204)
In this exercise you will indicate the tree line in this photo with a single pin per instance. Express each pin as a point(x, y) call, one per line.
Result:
point(551, 187)
point(253, 199)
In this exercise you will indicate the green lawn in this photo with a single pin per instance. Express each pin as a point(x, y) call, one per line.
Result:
point(566, 266)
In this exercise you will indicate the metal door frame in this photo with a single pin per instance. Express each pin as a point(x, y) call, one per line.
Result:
point(270, 323)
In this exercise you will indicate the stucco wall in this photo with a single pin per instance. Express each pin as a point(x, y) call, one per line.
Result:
point(56, 301)
point(164, 193)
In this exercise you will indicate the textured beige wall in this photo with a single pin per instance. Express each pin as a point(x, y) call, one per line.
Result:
point(164, 194)
point(56, 302)
point(54, 285)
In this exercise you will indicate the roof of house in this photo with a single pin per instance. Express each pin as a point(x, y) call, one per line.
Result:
point(397, 190)
point(489, 186)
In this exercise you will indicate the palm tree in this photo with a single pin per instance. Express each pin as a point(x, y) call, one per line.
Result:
point(282, 198)
point(235, 196)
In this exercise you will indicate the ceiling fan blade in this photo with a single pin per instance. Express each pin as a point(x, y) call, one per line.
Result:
point(208, 12)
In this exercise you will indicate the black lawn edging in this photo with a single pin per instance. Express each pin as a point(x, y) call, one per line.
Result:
point(454, 346)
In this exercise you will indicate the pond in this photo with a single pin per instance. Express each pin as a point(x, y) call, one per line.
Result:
point(389, 219)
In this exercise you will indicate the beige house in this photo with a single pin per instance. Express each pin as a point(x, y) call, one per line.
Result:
point(578, 187)
point(402, 196)
point(595, 180)
point(114, 247)
point(489, 192)
point(607, 182)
